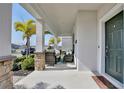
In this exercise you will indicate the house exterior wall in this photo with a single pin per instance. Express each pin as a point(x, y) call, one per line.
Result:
point(102, 18)
point(67, 43)
point(100, 13)
point(5, 29)
point(90, 37)
point(85, 31)
point(75, 44)
point(104, 9)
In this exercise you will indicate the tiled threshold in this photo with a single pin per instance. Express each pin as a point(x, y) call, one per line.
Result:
point(103, 83)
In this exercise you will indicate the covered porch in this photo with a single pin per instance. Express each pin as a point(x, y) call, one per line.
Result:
point(82, 26)
point(61, 79)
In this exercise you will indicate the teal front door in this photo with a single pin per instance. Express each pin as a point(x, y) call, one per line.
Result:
point(114, 47)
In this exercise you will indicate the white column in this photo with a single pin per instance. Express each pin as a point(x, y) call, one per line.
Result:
point(5, 29)
point(5, 47)
point(39, 37)
point(40, 54)
point(55, 45)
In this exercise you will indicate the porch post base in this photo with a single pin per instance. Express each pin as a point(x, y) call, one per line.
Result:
point(6, 74)
point(39, 61)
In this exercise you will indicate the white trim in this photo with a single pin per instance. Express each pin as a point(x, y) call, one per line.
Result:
point(101, 62)
point(112, 80)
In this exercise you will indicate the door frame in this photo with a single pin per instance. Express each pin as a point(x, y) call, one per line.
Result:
point(101, 44)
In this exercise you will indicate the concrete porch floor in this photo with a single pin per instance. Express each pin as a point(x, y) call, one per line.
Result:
point(64, 79)
point(61, 66)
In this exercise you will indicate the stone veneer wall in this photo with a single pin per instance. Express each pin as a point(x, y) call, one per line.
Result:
point(39, 61)
point(6, 75)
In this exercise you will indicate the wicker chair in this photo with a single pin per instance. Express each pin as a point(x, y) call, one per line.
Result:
point(68, 58)
point(50, 58)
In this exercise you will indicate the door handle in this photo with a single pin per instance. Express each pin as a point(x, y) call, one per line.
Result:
point(107, 51)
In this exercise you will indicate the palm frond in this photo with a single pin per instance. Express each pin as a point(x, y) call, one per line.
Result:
point(47, 32)
point(52, 41)
point(19, 26)
point(31, 29)
point(59, 40)
point(28, 22)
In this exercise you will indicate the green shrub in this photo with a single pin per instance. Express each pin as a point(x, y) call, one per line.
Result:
point(32, 55)
point(16, 66)
point(17, 63)
point(20, 59)
point(28, 63)
point(16, 60)
point(24, 63)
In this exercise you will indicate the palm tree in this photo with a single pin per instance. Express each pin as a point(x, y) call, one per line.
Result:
point(48, 32)
point(59, 40)
point(52, 40)
point(28, 28)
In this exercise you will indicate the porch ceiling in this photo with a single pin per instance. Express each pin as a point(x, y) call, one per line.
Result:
point(60, 17)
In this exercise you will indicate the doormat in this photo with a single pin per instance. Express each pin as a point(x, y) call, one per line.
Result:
point(103, 83)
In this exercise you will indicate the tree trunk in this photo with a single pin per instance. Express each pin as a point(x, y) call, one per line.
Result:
point(28, 46)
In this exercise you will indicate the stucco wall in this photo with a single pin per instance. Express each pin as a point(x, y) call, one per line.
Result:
point(66, 43)
point(100, 13)
point(86, 49)
point(5, 29)
point(75, 44)
point(104, 9)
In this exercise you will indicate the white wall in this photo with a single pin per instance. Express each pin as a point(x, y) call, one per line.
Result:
point(66, 43)
point(86, 47)
point(100, 13)
point(5, 29)
point(75, 44)
point(111, 11)
point(104, 9)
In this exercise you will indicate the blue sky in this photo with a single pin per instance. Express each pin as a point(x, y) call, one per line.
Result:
point(20, 14)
